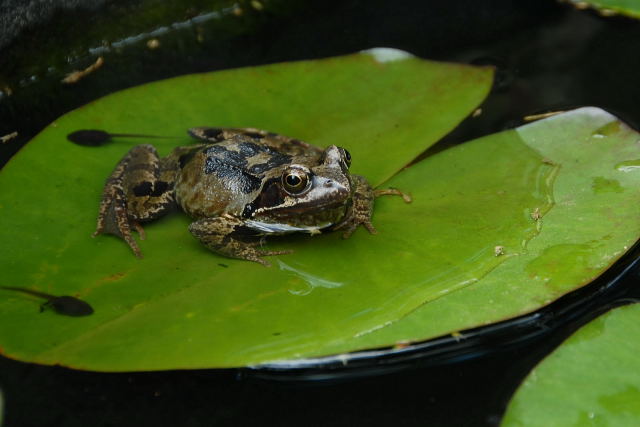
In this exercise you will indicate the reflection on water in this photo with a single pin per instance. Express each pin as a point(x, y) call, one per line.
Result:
point(161, 31)
point(310, 281)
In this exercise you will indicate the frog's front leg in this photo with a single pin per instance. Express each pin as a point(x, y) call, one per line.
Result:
point(362, 206)
point(139, 189)
point(228, 236)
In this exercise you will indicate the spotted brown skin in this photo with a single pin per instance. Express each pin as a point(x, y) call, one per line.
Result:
point(239, 185)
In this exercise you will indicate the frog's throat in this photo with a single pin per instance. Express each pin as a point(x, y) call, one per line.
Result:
point(278, 228)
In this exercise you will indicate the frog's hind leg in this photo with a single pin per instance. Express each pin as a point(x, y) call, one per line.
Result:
point(226, 235)
point(139, 189)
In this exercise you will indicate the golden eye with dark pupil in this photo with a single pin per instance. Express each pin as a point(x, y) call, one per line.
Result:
point(295, 182)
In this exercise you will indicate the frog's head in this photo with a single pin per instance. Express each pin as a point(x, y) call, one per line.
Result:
point(326, 184)
point(309, 194)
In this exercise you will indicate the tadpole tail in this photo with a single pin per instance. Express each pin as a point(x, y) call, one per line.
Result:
point(28, 291)
point(97, 137)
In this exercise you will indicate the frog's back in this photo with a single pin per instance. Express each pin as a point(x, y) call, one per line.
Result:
point(224, 177)
point(278, 142)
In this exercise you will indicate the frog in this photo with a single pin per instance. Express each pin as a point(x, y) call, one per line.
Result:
point(239, 185)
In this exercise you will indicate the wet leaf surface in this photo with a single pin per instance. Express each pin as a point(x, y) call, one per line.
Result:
point(184, 307)
point(593, 378)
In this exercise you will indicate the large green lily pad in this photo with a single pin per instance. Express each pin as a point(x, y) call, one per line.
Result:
point(592, 379)
point(184, 307)
point(592, 222)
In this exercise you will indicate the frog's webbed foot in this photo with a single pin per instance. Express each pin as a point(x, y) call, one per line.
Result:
point(228, 236)
point(361, 209)
point(112, 217)
point(140, 188)
point(257, 254)
point(362, 206)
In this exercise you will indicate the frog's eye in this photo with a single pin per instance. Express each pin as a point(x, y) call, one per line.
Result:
point(295, 181)
point(347, 157)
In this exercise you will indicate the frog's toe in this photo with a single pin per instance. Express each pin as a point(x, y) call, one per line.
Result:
point(392, 192)
point(124, 234)
point(127, 237)
point(260, 261)
point(136, 249)
point(258, 254)
point(140, 230)
point(370, 228)
point(270, 253)
point(350, 228)
point(113, 219)
point(348, 233)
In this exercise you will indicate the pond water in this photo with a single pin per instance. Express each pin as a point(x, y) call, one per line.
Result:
point(548, 56)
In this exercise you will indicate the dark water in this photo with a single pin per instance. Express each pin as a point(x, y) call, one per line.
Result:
point(548, 57)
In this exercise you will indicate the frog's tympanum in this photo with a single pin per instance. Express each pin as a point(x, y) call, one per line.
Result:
point(238, 186)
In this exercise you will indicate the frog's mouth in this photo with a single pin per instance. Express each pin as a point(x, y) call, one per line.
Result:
point(279, 228)
point(310, 207)
point(309, 213)
point(325, 201)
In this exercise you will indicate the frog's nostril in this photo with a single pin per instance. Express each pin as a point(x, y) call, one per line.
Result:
point(328, 183)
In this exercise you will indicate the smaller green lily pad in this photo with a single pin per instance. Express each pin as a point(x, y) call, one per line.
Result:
point(629, 8)
point(592, 379)
point(593, 220)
